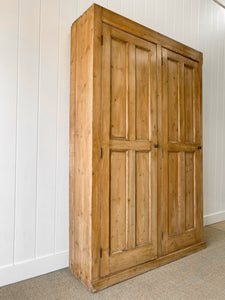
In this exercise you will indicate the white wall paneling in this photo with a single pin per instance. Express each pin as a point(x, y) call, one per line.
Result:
point(26, 136)
point(9, 39)
point(34, 118)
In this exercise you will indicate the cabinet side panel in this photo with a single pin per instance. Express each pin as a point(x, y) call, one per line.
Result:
point(81, 146)
point(97, 56)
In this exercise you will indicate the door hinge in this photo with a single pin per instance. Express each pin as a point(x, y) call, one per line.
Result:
point(162, 61)
point(100, 252)
point(102, 40)
point(162, 235)
point(101, 153)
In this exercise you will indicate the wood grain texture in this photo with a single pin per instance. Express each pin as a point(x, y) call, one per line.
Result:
point(143, 198)
point(182, 158)
point(81, 139)
point(117, 201)
point(132, 27)
point(140, 269)
point(96, 141)
point(118, 88)
point(137, 198)
point(142, 79)
point(125, 247)
point(173, 98)
point(160, 153)
point(173, 197)
point(189, 105)
point(190, 205)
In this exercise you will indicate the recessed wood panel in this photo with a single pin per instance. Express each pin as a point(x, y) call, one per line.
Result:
point(189, 191)
point(118, 201)
point(173, 96)
point(173, 218)
point(143, 198)
point(188, 104)
point(118, 86)
point(142, 80)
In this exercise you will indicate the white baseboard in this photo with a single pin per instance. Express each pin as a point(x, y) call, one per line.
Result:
point(214, 218)
point(42, 265)
point(32, 268)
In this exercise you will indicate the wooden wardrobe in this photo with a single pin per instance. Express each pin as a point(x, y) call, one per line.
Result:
point(135, 149)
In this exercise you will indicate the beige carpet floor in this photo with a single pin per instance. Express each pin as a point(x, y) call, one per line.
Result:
point(198, 276)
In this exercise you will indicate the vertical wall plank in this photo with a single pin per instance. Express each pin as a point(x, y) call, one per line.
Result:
point(67, 16)
point(222, 194)
point(179, 19)
point(28, 71)
point(47, 121)
point(204, 23)
point(211, 100)
point(83, 5)
point(139, 8)
point(8, 116)
point(187, 13)
point(115, 5)
point(219, 107)
point(161, 16)
point(150, 16)
point(128, 10)
point(103, 3)
point(172, 20)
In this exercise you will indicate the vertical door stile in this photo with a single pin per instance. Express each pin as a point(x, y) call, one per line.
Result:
point(153, 128)
point(105, 146)
point(131, 156)
point(165, 186)
point(159, 153)
point(181, 139)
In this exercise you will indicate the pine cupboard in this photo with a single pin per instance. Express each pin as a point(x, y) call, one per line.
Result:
point(135, 149)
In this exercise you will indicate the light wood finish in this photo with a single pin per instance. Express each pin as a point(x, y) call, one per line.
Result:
point(182, 195)
point(96, 141)
point(81, 142)
point(129, 194)
point(142, 268)
point(135, 166)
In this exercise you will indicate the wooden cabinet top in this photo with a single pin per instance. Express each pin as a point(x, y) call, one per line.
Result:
point(109, 17)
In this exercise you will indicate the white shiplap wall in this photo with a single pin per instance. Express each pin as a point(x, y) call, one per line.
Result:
point(34, 118)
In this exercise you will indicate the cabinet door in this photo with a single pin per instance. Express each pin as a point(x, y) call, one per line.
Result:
point(129, 159)
point(182, 160)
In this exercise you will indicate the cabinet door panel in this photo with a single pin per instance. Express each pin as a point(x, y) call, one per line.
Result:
point(182, 160)
point(118, 86)
point(173, 98)
point(143, 198)
point(173, 193)
point(142, 80)
point(189, 105)
point(117, 201)
point(129, 131)
point(190, 217)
